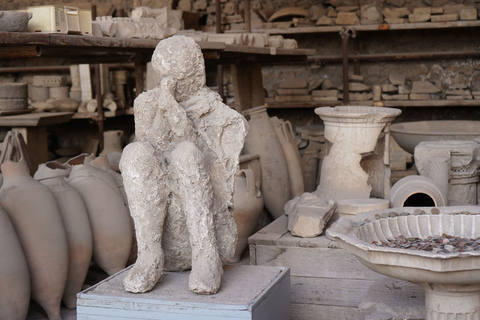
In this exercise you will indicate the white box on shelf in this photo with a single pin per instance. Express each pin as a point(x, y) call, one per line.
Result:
point(57, 19)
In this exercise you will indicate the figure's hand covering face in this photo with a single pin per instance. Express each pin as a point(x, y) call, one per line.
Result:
point(182, 60)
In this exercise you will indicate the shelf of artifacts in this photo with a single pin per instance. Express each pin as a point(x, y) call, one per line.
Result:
point(300, 93)
point(319, 19)
point(106, 114)
point(38, 44)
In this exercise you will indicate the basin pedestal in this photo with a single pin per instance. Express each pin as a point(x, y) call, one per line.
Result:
point(451, 301)
point(451, 278)
point(353, 131)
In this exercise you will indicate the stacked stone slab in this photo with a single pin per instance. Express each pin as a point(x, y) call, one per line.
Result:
point(45, 87)
point(13, 96)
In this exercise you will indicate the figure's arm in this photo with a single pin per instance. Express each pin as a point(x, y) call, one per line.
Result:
point(159, 119)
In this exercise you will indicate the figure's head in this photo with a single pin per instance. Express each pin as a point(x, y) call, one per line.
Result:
point(180, 58)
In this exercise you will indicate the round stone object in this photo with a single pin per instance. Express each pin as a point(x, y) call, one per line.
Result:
point(13, 91)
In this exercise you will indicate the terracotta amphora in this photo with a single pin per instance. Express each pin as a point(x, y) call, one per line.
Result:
point(294, 165)
point(248, 208)
point(109, 217)
point(262, 139)
point(77, 225)
point(14, 275)
point(35, 215)
point(103, 162)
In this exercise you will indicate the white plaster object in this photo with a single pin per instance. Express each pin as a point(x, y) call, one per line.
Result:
point(461, 178)
point(406, 189)
point(179, 173)
point(348, 207)
point(352, 131)
point(451, 280)
point(409, 134)
point(308, 215)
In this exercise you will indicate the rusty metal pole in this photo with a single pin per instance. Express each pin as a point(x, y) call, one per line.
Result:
point(344, 34)
point(100, 115)
point(218, 26)
point(139, 71)
point(248, 20)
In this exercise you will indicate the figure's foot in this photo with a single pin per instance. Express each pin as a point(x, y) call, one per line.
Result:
point(206, 275)
point(145, 274)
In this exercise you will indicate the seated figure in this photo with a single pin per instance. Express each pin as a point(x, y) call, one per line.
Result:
point(179, 173)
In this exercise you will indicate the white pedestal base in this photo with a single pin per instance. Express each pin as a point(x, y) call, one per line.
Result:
point(247, 292)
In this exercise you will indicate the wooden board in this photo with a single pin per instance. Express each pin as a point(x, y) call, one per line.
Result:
point(376, 27)
point(35, 119)
point(13, 112)
point(329, 291)
point(317, 312)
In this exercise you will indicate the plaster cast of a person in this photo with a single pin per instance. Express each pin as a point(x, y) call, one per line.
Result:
point(179, 174)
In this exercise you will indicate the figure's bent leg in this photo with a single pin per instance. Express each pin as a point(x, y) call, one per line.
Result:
point(144, 178)
point(187, 166)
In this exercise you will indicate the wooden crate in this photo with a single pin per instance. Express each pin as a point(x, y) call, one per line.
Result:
point(327, 282)
point(247, 292)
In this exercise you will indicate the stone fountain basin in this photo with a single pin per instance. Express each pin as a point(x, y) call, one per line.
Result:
point(418, 266)
point(409, 134)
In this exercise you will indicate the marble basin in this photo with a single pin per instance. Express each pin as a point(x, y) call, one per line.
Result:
point(451, 280)
point(409, 134)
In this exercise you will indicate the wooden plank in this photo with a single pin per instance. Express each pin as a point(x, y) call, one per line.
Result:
point(272, 104)
point(377, 27)
point(23, 38)
point(271, 233)
point(248, 85)
point(310, 311)
point(314, 262)
point(107, 114)
point(35, 119)
point(268, 50)
point(329, 291)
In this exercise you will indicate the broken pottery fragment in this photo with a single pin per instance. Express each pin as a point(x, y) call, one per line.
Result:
point(308, 214)
point(179, 173)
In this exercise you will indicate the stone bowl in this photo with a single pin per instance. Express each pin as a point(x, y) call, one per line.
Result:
point(409, 134)
point(14, 21)
point(356, 234)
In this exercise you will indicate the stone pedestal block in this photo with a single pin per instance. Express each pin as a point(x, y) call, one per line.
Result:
point(247, 292)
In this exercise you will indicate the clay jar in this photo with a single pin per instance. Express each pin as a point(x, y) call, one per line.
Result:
point(112, 141)
point(14, 276)
point(77, 225)
point(109, 217)
point(292, 157)
point(248, 207)
point(262, 139)
point(38, 223)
